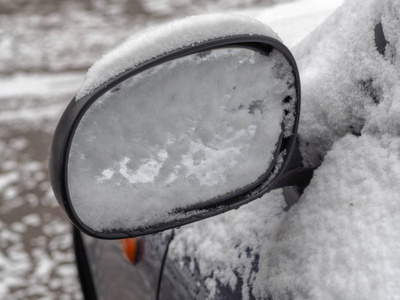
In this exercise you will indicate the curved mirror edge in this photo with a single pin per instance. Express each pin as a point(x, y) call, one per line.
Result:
point(252, 107)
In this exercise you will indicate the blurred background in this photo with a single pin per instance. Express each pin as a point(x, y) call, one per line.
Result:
point(46, 47)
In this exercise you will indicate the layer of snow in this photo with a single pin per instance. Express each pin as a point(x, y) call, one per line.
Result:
point(342, 239)
point(32, 113)
point(172, 36)
point(196, 136)
point(347, 85)
point(38, 84)
point(294, 20)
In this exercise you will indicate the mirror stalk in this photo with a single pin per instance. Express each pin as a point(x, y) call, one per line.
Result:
point(295, 178)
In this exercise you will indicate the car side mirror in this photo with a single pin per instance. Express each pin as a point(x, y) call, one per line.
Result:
point(203, 124)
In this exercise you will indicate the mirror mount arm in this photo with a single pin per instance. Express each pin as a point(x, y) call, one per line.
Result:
point(295, 178)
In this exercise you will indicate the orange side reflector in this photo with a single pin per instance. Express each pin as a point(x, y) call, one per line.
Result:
point(132, 249)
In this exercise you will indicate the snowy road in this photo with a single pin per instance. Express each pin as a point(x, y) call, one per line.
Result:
point(36, 260)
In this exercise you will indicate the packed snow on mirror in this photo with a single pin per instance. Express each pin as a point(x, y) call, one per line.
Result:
point(141, 47)
point(342, 239)
point(178, 134)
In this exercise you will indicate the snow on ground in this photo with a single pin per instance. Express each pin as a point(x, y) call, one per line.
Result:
point(60, 35)
point(36, 259)
point(38, 84)
point(341, 241)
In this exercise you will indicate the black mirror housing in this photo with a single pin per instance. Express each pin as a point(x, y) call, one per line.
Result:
point(278, 170)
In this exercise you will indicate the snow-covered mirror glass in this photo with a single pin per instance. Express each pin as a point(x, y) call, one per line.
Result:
point(176, 135)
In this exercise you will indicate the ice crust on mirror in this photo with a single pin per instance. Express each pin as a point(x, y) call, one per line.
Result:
point(176, 135)
point(170, 37)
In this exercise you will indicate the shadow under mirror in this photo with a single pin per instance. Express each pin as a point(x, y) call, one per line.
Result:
point(179, 135)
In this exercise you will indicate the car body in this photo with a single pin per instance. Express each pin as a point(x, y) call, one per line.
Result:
point(241, 254)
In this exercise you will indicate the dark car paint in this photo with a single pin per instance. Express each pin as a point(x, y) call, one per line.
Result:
point(180, 282)
point(116, 278)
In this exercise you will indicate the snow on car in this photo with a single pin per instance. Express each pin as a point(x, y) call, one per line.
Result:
point(342, 239)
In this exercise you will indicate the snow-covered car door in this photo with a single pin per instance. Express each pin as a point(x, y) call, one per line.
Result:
point(341, 239)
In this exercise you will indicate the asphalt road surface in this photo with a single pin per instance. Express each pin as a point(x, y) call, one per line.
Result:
point(36, 259)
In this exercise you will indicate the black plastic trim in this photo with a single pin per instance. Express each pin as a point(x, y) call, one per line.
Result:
point(380, 40)
point(160, 276)
point(82, 263)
